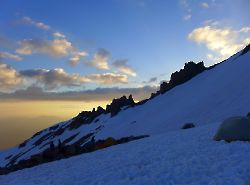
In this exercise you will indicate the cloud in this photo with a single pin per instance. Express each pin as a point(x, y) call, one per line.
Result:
point(213, 58)
point(9, 56)
point(187, 17)
point(75, 59)
point(186, 6)
point(123, 67)
point(184, 3)
point(204, 5)
point(108, 78)
point(151, 80)
point(245, 30)
point(9, 78)
point(98, 94)
point(246, 41)
point(222, 42)
point(40, 25)
point(59, 35)
point(55, 78)
point(55, 48)
point(100, 60)
point(212, 23)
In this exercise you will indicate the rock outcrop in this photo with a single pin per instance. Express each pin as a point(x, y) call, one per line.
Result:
point(57, 153)
point(245, 50)
point(189, 71)
point(116, 105)
point(85, 117)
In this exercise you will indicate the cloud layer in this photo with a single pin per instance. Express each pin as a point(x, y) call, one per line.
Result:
point(76, 58)
point(100, 60)
point(40, 25)
point(57, 44)
point(9, 78)
point(187, 8)
point(98, 94)
point(9, 56)
point(55, 48)
point(123, 67)
point(151, 80)
point(54, 78)
point(222, 42)
point(204, 5)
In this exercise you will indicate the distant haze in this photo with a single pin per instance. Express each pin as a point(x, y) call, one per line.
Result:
point(20, 120)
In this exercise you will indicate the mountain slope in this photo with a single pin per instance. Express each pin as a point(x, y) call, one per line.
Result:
point(211, 96)
point(183, 157)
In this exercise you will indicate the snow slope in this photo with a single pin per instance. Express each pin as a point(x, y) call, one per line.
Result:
point(183, 157)
point(209, 97)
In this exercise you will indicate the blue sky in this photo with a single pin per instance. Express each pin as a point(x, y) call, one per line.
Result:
point(145, 39)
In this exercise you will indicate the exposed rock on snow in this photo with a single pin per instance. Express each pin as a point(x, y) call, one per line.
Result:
point(234, 129)
point(56, 153)
point(188, 125)
point(245, 50)
point(116, 105)
point(190, 70)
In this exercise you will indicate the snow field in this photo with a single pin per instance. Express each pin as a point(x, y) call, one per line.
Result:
point(183, 157)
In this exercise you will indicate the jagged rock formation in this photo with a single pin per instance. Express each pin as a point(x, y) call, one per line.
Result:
point(86, 117)
point(179, 77)
point(189, 71)
point(116, 105)
point(114, 108)
point(245, 50)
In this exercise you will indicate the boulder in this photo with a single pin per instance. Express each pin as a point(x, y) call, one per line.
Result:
point(234, 129)
point(188, 125)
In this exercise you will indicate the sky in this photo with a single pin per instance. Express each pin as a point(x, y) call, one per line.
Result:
point(60, 57)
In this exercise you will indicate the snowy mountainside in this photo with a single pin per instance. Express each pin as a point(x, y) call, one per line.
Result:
point(209, 97)
point(183, 157)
